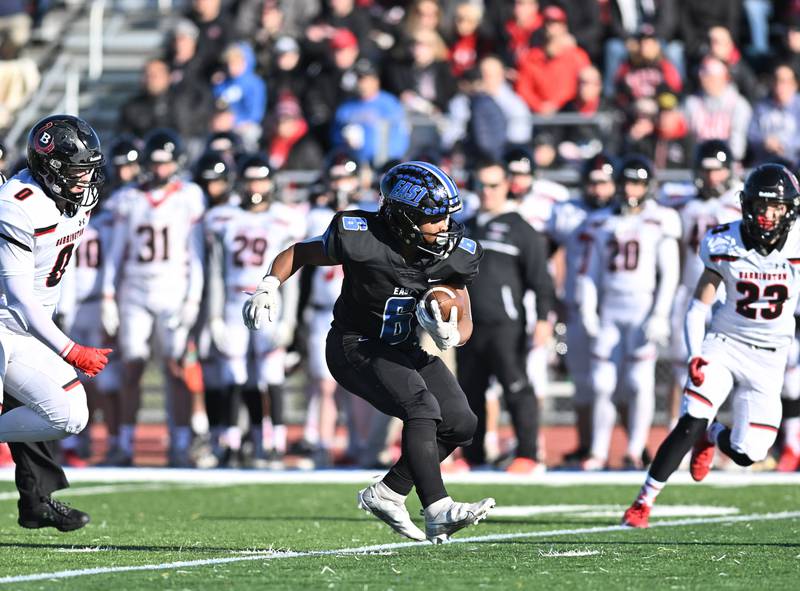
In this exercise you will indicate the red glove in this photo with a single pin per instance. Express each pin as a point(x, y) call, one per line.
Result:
point(89, 360)
point(696, 370)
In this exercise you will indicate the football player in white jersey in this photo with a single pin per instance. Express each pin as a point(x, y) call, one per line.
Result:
point(715, 202)
point(744, 350)
point(44, 210)
point(253, 362)
point(153, 282)
point(215, 174)
point(80, 302)
point(625, 298)
point(567, 228)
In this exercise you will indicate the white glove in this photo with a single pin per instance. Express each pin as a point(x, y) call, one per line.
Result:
point(109, 315)
point(188, 314)
point(264, 298)
point(444, 334)
point(591, 324)
point(219, 334)
point(657, 330)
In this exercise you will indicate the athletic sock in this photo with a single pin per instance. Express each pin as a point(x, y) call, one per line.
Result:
point(650, 490)
point(126, 433)
point(714, 431)
point(437, 507)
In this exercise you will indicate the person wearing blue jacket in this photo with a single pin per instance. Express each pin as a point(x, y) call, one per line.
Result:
point(373, 125)
point(243, 91)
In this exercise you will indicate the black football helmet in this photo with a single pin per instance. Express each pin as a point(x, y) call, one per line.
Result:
point(343, 174)
point(62, 149)
point(519, 163)
point(162, 146)
point(124, 150)
point(597, 169)
point(227, 142)
point(769, 184)
point(415, 192)
point(712, 155)
point(214, 166)
point(256, 180)
point(634, 168)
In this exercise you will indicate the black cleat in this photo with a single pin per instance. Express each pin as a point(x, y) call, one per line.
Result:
point(52, 513)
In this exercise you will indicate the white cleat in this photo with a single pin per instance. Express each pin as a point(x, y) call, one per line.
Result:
point(391, 509)
point(457, 516)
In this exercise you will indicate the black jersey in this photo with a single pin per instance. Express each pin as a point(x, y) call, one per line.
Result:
point(380, 289)
point(516, 261)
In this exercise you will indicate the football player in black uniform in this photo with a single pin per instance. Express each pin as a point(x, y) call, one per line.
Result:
point(390, 258)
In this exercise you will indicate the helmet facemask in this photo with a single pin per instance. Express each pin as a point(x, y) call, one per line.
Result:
point(407, 225)
point(765, 231)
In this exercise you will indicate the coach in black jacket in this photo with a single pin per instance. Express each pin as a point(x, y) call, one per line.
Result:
point(514, 261)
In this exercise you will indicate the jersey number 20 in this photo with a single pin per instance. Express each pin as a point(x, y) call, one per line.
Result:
point(397, 315)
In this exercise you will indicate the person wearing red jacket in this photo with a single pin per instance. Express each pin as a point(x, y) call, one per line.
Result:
point(548, 75)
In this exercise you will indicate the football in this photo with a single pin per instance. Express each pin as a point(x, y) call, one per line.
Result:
point(447, 296)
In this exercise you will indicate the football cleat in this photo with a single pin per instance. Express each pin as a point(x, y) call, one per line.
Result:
point(702, 456)
point(637, 515)
point(457, 516)
point(789, 461)
point(593, 464)
point(392, 512)
point(52, 513)
point(525, 466)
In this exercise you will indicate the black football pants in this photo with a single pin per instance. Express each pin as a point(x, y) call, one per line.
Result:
point(37, 474)
point(406, 382)
point(499, 350)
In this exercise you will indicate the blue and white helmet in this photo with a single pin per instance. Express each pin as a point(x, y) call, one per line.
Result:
point(414, 193)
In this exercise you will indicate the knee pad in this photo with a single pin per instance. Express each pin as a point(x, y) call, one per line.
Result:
point(459, 428)
point(73, 415)
point(423, 405)
point(690, 427)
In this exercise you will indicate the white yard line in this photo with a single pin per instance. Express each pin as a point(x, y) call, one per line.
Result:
point(554, 478)
point(273, 555)
point(115, 488)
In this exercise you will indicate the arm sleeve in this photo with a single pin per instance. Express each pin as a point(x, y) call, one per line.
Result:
point(114, 255)
point(586, 291)
point(694, 327)
point(196, 246)
point(17, 276)
point(215, 278)
point(668, 276)
point(536, 276)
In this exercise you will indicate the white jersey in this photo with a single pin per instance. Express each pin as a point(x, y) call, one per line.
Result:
point(157, 247)
point(697, 217)
point(89, 256)
point(762, 290)
point(36, 239)
point(537, 205)
point(567, 228)
point(250, 242)
point(326, 283)
point(624, 258)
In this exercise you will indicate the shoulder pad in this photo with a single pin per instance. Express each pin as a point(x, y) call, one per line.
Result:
point(354, 223)
point(469, 245)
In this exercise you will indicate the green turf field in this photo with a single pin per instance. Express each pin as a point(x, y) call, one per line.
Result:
point(264, 534)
